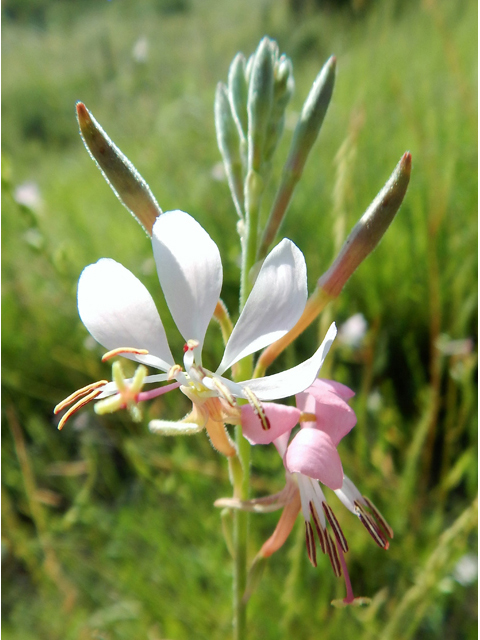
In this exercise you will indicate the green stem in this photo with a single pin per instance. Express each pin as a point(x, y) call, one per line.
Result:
point(240, 542)
point(240, 523)
point(253, 196)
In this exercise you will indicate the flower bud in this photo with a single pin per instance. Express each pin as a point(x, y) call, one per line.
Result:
point(369, 230)
point(238, 94)
point(260, 99)
point(125, 181)
point(282, 92)
point(228, 143)
point(306, 132)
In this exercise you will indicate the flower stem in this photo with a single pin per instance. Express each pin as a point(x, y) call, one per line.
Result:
point(240, 538)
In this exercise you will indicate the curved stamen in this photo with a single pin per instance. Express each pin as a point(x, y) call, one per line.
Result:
point(121, 350)
point(335, 526)
point(224, 392)
point(81, 403)
point(78, 394)
point(256, 405)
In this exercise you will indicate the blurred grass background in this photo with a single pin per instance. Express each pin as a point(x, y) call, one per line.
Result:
point(108, 531)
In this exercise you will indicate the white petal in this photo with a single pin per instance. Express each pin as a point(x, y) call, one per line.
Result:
point(190, 271)
point(292, 381)
point(274, 305)
point(118, 312)
point(348, 493)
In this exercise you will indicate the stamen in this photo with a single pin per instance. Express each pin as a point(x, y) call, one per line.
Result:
point(174, 371)
point(370, 525)
point(78, 394)
point(335, 526)
point(333, 555)
point(256, 405)
point(307, 417)
point(81, 403)
point(318, 526)
point(379, 518)
point(190, 345)
point(310, 542)
point(224, 392)
point(121, 350)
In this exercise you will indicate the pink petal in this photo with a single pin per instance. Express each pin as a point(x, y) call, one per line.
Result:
point(336, 387)
point(313, 454)
point(281, 444)
point(334, 416)
point(282, 419)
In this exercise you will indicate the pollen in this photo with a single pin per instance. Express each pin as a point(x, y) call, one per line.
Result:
point(174, 371)
point(256, 405)
point(123, 350)
point(78, 394)
point(81, 403)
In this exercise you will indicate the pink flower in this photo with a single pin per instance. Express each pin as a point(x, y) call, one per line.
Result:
point(312, 458)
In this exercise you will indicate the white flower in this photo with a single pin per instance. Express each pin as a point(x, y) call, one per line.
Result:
point(119, 313)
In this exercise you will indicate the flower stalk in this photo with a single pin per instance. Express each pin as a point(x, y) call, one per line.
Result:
point(120, 314)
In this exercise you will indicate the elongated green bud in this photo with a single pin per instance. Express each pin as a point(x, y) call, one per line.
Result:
point(306, 132)
point(228, 143)
point(238, 94)
point(364, 237)
point(260, 100)
point(282, 92)
point(125, 181)
point(369, 230)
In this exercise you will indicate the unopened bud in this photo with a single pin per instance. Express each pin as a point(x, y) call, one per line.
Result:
point(311, 117)
point(238, 94)
point(125, 181)
point(306, 132)
point(369, 230)
point(260, 99)
point(282, 92)
point(228, 142)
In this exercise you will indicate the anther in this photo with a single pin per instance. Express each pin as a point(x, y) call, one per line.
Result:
point(310, 542)
point(224, 392)
point(307, 417)
point(174, 371)
point(370, 525)
point(335, 526)
point(379, 518)
point(122, 350)
point(78, 394)
point(81, 403)
point(256, 405)
point(333, 555)
point(318, 526)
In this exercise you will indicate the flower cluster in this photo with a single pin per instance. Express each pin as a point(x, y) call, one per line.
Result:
point(310, 458)
point(120, 314)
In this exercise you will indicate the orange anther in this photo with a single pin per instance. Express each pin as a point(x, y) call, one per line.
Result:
point(78, 394)
point(81, 403)
point(122, 350)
